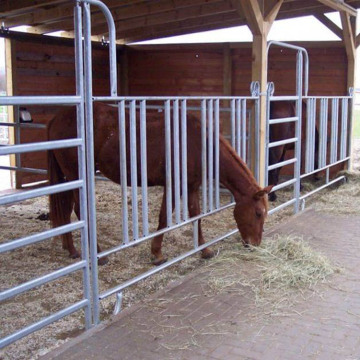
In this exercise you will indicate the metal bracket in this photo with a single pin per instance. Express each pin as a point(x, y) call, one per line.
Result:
point(303, 204)
point(270, 88)
point(4, 29)
point(255, 88)
point(104, 42)
point(118, 303)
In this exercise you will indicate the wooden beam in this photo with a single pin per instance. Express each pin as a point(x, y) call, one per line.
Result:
point(251, 10)
point(168, 17)
point(272, 11)
point(349, 40)
point(330, 25)
point(181, 27)
point(357, 40)
point(10, 77)
point(185, 30)
point(12, 8)
point(260, 27)
point(339, 5)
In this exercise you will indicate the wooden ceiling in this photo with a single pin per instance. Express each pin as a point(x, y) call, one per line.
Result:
point(138, 20)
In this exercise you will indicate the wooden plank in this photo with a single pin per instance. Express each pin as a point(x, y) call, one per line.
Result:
point(9, 70)
point(330, 25)
point(339, 6)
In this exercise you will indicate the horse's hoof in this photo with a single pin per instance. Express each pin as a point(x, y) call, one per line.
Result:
point(103, 261)
point(74, 255)
point(207, 254)
point(158, 261)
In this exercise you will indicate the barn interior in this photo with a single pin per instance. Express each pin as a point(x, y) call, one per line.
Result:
point(40, 62)
point(220, 69)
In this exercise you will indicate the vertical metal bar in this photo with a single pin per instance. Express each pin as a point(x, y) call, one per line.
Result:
point(334, 130)
point(297, 165)
point(123, 171)
point(168, 163)
point(211, 154)
point(90, 162)
point(217, 153)
point(269, 92)
point(133, 165)
point(82, 159)
point(238, 127)
point(112, 43)
point(203, 156)
point(176, 160)
point(243, 130)
point(313, 135)
point(144, 177)
point(232, 122)
point(344, 121)
point(257, 138)
point(196, 234)
point(323, 132)
point(308, 136)
point(350, 125)
point(184, 183)
point(17, 134)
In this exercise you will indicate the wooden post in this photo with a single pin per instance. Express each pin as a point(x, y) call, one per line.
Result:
point(9, 57)
point(350, 46)
point(227, 87)
point(260, 20)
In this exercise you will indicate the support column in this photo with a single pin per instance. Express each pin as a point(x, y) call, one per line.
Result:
point(349, 41)
point(260, 16)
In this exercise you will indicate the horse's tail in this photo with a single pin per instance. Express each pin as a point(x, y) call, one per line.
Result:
point(60, 204)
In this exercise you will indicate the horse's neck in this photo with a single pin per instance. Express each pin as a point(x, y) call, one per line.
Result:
point(234, 174)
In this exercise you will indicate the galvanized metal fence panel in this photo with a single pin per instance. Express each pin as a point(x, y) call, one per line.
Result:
point(80, 185)
point(324, 146)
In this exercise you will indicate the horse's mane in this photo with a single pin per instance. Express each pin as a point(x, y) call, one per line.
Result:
point(239, 161)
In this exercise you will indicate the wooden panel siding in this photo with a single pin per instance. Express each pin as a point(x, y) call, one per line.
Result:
point(49, 69)
point(160, 70)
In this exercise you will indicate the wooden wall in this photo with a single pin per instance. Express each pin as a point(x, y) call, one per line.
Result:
point(206, 69)
point(48, 69)
point(199, 69)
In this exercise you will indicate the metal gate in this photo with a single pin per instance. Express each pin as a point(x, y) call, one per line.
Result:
point(82, 225)
point(324, 146)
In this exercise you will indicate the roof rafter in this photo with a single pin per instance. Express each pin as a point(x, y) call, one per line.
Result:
point(339, 5)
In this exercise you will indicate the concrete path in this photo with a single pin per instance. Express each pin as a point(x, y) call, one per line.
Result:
point(184, 323)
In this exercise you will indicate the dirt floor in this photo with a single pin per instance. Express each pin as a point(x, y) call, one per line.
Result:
point(27, 263)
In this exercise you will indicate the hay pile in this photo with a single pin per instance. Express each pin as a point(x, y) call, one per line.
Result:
point(341, 200)
point(277, 272)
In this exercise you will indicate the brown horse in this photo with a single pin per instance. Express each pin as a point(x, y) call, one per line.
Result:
point(251, 201)
point(282, 131)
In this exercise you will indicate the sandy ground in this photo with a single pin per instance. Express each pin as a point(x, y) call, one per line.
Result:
point(27, 263)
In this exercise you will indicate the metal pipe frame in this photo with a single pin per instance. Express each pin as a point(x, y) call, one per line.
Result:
point(79, 184)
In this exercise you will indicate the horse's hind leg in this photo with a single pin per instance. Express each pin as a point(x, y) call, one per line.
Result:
point(157, 240)
point(194, 210)
point(101, 261)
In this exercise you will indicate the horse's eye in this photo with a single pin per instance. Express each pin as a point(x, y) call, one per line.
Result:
point(258, 214)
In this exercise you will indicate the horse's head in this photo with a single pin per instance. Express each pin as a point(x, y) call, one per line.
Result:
point(250, 214)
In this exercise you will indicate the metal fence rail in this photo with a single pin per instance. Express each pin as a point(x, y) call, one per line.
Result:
point(80, 185)
point(133, 112)
point(325, 142)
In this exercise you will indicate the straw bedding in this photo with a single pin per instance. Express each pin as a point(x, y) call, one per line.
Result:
point(282, 265)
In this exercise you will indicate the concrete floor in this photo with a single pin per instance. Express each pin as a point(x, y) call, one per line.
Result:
point(181, 321)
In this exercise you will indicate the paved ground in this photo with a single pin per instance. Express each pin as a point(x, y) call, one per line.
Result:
point(182, 322)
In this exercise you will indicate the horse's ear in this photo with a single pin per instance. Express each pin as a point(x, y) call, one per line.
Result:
point(261, 193)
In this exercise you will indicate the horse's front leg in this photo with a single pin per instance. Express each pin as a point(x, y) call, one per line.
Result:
point(194, 210)
point(101, 261)
point(157, 240)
